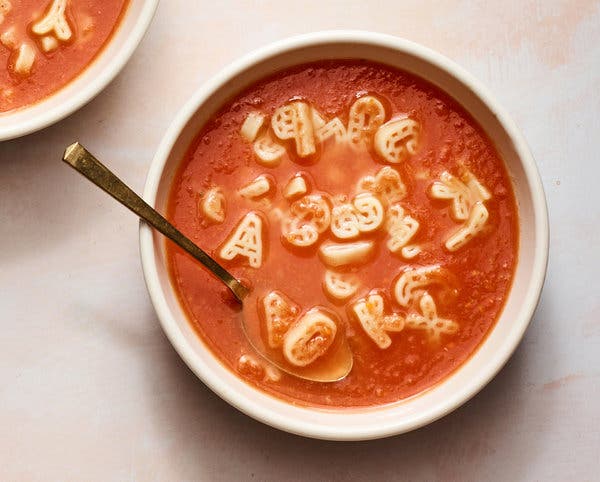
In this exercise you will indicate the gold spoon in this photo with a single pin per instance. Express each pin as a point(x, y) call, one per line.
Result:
point(338, 364)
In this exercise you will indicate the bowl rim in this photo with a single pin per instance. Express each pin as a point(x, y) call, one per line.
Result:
point(521, 320)
point(87, 91)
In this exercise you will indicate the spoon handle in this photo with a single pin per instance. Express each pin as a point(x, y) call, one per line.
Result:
point(86, 164)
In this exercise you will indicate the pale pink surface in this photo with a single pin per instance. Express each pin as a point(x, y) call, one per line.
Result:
point(92, 390)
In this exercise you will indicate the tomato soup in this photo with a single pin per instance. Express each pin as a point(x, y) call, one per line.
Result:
point(44, 44)
point(359, 202)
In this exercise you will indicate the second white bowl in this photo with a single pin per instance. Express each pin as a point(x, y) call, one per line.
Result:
point(88, 83)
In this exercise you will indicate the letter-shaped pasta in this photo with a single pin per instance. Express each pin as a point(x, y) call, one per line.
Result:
point(340, 286)
point(252, 126)
point(8, 38)
point(429, 320)
point(279, 314)
point(246, 241)
point(342, 254)
point(370, 314)
point(412, 280)
point(212, 205)
point(398, 139)
point(387, 184)
point(366, 115)
point(25, 59)
point(411, 251)
point(49, 43)
point(315, 209)
point(269, 153)
point(334, 128)
point(256, 188)
point(296, 187)
point(463, 196)
point(294, 121)
point(272, 373)
point(249, 365)
point(400, 227)
point(344, 221)
point(5, 6)
point(309, 216)
point(54, 21)
point(364, 215)
point(298, 234)
point(474, 225)
point(370, 212)
point(451, 187)
point(467, 204)
point(309, 338)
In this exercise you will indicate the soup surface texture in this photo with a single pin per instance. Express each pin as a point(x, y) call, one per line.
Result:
point(359, 201)
point(44, 44)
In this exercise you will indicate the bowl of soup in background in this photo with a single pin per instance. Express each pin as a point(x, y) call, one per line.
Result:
point(122, 36)
point(357, 423)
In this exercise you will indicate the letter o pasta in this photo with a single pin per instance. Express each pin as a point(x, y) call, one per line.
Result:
point(309, 338)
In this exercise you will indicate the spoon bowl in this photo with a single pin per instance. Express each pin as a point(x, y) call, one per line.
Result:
point(334, 366)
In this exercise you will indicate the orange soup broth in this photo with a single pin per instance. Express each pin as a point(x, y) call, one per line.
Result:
point(451, 139)
point(92, 22)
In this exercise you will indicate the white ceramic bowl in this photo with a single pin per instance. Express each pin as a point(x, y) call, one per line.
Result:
point(90, 82)
point(355, 424)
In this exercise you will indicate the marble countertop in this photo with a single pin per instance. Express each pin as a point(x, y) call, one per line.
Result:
point(91, 388)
